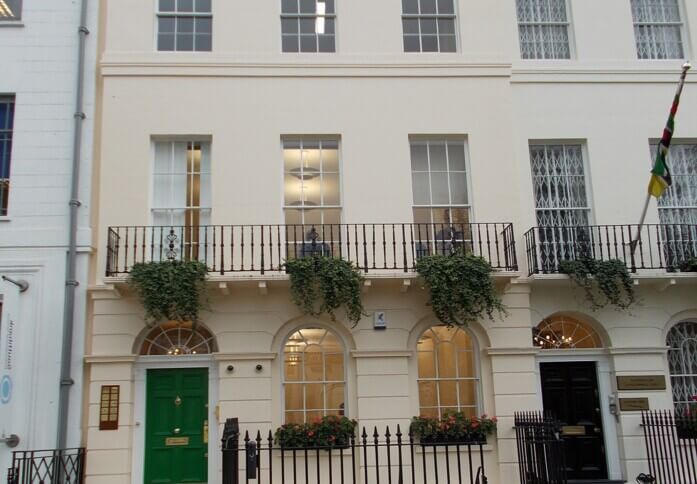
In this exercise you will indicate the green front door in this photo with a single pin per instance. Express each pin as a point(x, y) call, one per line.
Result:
point(176, 426)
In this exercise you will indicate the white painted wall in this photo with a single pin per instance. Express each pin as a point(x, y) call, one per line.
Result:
point(38, 62)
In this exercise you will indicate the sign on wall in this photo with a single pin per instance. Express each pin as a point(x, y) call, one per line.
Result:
point(641, 382)
point(109, 408)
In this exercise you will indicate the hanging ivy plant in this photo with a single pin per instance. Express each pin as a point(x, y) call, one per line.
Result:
point(604, 282)
point(170, 290)
point(322, 284)
point(461, 288)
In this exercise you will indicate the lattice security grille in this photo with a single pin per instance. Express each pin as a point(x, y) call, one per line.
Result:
point(678, 205)
point(657, 29)
point(543, 29)
point(682, 361)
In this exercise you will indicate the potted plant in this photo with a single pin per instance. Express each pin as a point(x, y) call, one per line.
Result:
point(327, 432)
point(453, 427)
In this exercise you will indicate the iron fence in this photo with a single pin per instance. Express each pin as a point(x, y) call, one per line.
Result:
point(264, 248)
point(541, 458)
point(60, 466)
point(387, 458)
point(671, 446)
point(661, 246)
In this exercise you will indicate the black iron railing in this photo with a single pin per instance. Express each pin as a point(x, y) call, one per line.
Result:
point(671, 446)
point(387, 458)
point(264, 248)
point(660, 246)
point(62, 466)
point(541, 458)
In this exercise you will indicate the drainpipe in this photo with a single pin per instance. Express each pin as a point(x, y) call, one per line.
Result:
point(71, 282)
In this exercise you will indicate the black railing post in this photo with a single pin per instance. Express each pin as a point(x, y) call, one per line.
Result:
point(230, 444)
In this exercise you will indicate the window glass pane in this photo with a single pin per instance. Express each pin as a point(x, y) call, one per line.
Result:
point(166, 5)
point(292, 217)
point(331, 216)
point(419, 157)
point(445, 7)
point(314, 396)
point(289, 6)
point(468, 392)
point(410, 7)
point(330, 189)
point(410, 26)
point(458, 188)
point(335, 367)
point(427, 366)
point(439, 188)
point(185, 24)
point(313, 364)
point(428, 6)
point(293, 364)
point(447, 43)
point(330, 158)
point(427, 394)
point(294, 396)
point(203, 42)
point(447, 392)
point(428, 26)
point(420, 187)
point(185, 42)
point(465, 364)
point(307, 25)
point(335, 396)
point(295, 417)
point(185, 5)
point(203, 6)
point(165, 24)
point(446, 26)
point(436, 153)
point(289, 26)
point(326, 43)
point(421, 216)
point(446, 360)
point(411, 43)
point(290, 43)
point(456, 156)
point(204, 25)
point(428, 412)
point(308, 6)
point(311, 191)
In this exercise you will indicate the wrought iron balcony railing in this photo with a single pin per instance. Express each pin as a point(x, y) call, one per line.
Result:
point(661, 246)
point(263, 248)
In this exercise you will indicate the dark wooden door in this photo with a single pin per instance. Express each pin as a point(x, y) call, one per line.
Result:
point(570, 393)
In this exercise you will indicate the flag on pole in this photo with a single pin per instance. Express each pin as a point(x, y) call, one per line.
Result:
point(660, 174)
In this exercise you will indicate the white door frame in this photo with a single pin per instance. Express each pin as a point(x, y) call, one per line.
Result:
point(604, 375)
point(141, 367)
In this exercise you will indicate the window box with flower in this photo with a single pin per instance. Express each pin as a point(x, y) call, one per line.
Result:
point(329, 432)
point(453, 428)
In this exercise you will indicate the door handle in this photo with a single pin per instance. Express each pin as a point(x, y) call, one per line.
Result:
point(176, 431)
point(596, 430)
point(205, 431)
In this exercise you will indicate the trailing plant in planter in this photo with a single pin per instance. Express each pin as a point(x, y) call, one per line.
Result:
point(452, 427)
point(461, 288)
point(170, 290)
point(325, 432)
point(689, 265)
point(322, 284)
point(604, 282)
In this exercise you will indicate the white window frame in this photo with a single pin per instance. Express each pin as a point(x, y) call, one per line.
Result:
point(304, 382)
point(5, 8)
point(682, 30)
point(542, 24)
point(437, 16)
point(477, 378)
point(692, 377)
point(9, 133)
point(315, 16)
point(160, 14)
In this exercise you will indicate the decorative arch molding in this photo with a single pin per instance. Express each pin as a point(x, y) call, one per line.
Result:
point(480, 338)
point(569, 330)
point(175, 338)
point(291, 326)
point(679, 317)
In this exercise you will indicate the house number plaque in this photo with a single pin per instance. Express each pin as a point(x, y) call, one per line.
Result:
point(109, 408)
point(634, 404)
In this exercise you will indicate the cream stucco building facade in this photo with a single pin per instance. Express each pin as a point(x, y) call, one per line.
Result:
point(521, 118)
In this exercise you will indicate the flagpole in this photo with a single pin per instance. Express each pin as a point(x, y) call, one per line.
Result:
point(635, 241)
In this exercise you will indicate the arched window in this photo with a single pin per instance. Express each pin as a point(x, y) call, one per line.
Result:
point(448, 378)
point(314, 381)
point(561, 332)
point(682, 361)
point(176, 339)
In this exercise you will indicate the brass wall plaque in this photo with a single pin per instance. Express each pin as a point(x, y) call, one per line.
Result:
point(171, 441)
point(634, 404)
point(641, 382)
point(109, 407)
point(573, 430)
